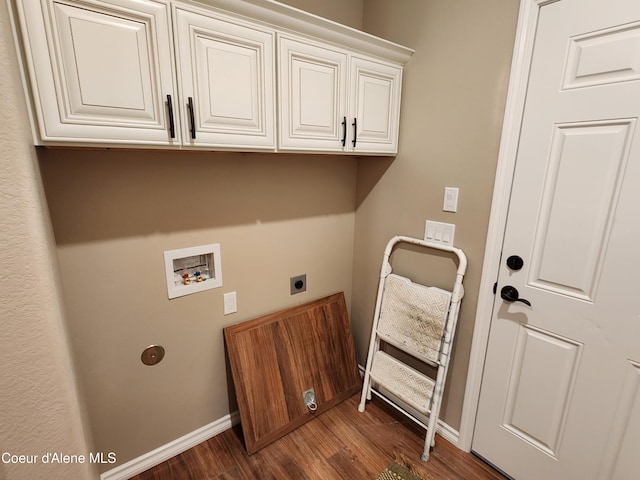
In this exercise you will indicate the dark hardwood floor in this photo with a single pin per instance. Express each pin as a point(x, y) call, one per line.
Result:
point(339, 444)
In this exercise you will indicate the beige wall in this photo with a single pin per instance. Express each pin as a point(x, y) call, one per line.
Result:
point(114, 213)
point(453, 101)
point(38, 397)
point(346, 12)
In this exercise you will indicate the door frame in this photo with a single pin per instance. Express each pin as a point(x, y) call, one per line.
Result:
point(518, 82)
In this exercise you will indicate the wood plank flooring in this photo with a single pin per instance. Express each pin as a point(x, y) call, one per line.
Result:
point(339, 444)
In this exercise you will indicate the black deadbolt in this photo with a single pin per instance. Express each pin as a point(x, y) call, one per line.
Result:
point(515, 262)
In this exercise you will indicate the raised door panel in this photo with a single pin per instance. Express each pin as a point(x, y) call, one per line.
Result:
point(227, 70)
point(374, 106)
point(101, 73)
point(312, 97)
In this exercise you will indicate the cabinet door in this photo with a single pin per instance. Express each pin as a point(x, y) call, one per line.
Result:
point(101, 72)
point(227, 82)
point(374, 106)
point(312, 97)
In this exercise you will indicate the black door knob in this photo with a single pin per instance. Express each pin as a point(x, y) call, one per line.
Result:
point(515, 262)
point(510, 294)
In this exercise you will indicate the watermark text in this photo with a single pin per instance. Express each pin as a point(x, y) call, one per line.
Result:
point(58, 457)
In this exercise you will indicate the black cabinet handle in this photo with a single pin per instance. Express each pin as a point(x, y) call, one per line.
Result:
point(355, 131)
point(344, 131)
point(192, 126)
point(172, 125)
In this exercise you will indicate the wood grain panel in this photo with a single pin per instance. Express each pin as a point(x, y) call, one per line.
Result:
point(275, 358)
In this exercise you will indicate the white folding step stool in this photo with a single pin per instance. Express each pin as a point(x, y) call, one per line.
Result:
point(421, 322)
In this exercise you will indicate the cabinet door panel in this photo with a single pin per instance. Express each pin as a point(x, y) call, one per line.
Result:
point(227, 69)
point(375, 102)
point(312, 96)
point(102, 71)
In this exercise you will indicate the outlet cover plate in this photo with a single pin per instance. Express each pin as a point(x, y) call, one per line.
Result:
point(230, 303)
point(298, 284)
point(450, 203)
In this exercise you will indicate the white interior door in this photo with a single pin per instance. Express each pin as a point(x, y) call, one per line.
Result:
point(560, 395)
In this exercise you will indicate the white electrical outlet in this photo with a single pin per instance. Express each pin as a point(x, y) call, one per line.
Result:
point(438, 232)
point(450, 203)
point(230, 304)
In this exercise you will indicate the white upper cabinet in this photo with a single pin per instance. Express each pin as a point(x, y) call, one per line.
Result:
point(101, 72)
point(184, 74)
point(313, 97)
point(334, 101)
point(226, 72)
point(374, 105)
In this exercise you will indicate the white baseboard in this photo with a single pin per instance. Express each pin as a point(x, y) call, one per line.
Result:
point(171, 449)
point(448, 433)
